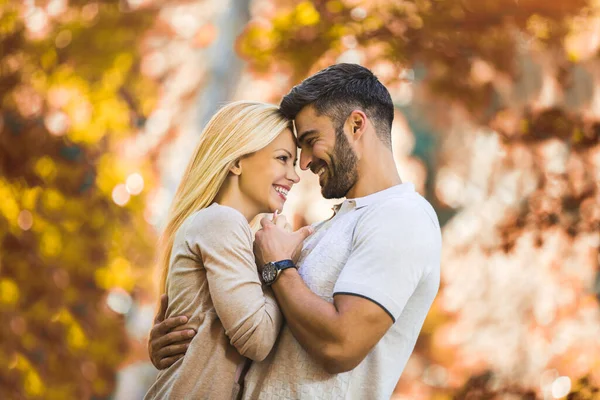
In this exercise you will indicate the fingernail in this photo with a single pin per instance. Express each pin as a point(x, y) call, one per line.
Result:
point(183, 319)
point(191, 333)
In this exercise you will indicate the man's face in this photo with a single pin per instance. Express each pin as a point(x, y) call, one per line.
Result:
point(327, 152)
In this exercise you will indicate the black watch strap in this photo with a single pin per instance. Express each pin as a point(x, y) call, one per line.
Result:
point(284, 264)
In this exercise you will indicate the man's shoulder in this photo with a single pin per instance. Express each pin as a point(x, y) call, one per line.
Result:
point(401, 209)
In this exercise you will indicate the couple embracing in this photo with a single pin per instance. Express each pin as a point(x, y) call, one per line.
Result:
point(330, 311)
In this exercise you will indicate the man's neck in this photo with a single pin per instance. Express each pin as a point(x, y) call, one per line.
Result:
point(374, 177)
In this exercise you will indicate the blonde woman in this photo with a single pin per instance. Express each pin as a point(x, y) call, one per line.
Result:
point(244, 165)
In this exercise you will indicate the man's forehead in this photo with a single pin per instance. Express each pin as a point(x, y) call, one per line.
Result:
point(307, 120)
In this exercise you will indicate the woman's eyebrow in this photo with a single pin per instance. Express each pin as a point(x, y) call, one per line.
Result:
point(290, 154)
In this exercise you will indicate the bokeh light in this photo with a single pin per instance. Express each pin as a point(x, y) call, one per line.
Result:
point(134, 184)
point(119, 301)
point(120, 195)
point(25, 220)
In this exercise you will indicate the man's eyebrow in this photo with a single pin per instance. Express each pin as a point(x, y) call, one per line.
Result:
point(303, 135)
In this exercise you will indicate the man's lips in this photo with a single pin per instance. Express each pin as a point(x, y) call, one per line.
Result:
point(319, 170)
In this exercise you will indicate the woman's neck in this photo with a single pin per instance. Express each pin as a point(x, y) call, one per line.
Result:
point(230, 196)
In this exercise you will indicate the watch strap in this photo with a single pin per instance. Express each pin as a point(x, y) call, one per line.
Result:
point(284, 264)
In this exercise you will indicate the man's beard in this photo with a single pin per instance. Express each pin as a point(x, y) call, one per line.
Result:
point(342, 173)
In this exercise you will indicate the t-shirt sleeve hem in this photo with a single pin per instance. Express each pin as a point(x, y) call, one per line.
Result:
point(370, 299)
point(369, 293)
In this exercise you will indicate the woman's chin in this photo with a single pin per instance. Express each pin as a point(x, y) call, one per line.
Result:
point(276, 207)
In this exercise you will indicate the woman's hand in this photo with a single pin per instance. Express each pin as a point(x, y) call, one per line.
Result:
point(281, 221)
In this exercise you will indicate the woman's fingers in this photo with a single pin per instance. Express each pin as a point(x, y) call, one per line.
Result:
point(280, 221)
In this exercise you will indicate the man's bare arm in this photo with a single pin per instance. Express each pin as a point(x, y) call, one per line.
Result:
point(338, 335)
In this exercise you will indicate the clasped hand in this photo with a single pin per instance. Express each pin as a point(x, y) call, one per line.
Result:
point(276, 241)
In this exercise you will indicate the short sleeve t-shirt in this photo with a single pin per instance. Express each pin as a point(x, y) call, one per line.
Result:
point(385, 247)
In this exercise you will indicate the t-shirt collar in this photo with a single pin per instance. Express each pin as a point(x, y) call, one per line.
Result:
point(376, 197)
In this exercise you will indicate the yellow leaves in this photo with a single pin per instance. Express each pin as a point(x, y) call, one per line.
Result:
point(51, 242)
point(118, 274)
point(49, 58)
point(93, 109)
point(8, 22)
point(8, 205)
point(334, 6)
point(76, 337)
point(110, 172)
point(124, 61)
point(306, 14)
point(524, 126)
point(373, 23)
point(9, 292)
point(32, 382)
point(46, 169)
point(29, 197)
point(538, 26)
point(52, 200)
point(97, 219)
point(577, 135)
point(112, 79)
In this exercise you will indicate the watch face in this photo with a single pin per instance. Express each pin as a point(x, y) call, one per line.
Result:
point(269, 273)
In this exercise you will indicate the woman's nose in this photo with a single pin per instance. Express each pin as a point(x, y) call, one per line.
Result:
point(293, 175)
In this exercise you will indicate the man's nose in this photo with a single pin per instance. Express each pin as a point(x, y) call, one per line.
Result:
point(305, 160)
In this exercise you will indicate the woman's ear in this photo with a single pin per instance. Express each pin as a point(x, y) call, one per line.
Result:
point(236, 168)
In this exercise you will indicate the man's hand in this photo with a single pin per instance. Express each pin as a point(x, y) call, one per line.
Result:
point(274, 243)
point(166, 344)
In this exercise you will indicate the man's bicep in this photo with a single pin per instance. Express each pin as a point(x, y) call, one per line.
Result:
point(387, 261)
point(365, 322)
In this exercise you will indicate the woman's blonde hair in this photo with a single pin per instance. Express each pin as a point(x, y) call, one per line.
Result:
point(236, 130)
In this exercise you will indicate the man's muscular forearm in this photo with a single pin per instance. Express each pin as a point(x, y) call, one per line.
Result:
point(315, 323)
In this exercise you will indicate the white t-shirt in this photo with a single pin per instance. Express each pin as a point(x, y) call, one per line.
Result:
point(385, 247)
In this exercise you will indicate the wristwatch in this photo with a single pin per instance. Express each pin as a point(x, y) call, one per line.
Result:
point(271, 270)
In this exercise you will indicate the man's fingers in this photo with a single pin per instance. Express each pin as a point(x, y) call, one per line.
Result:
point(173, 350)
point(167, 362)
point(160, 316)
point(172, 338)
point(167, 325)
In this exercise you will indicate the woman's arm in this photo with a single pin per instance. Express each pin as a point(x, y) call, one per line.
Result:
point(221, 238)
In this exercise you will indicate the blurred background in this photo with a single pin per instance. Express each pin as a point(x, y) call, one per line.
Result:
point(497, 124)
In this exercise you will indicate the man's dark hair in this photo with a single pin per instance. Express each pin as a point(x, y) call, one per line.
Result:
point(338, 90)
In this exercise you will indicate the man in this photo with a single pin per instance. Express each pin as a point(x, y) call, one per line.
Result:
point(365, 278)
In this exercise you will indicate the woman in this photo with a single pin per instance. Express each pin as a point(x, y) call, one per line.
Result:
point(244, 165)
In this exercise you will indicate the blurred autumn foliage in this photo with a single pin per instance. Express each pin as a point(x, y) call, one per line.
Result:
point(72, 232)
point(511, 89)
point(498, 125)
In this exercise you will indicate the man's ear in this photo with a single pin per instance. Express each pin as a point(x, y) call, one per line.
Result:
point(357, 122)
point(236, 168)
